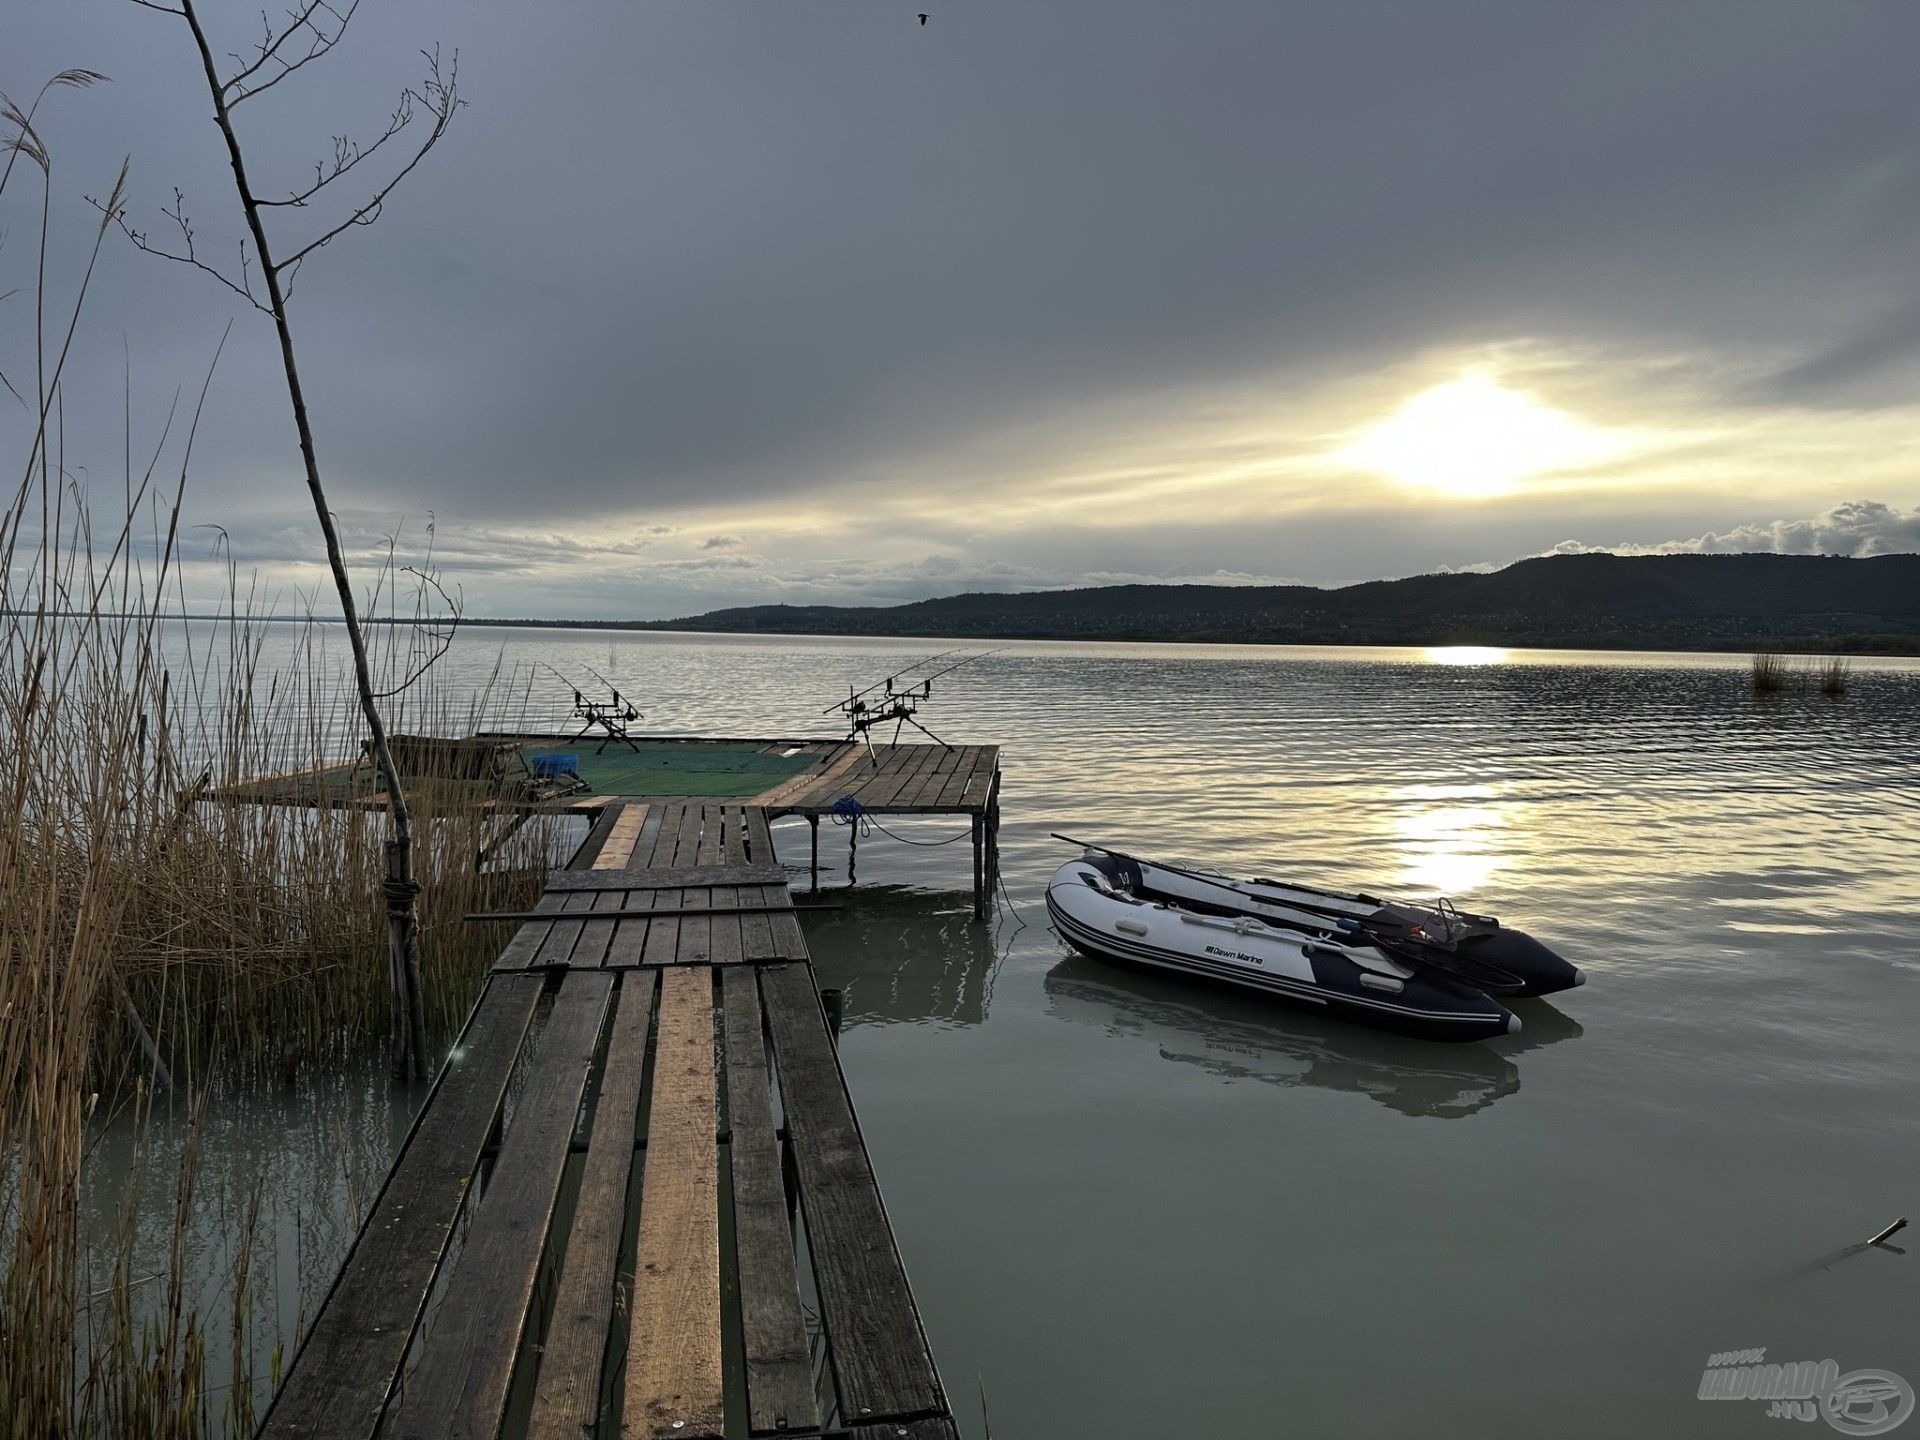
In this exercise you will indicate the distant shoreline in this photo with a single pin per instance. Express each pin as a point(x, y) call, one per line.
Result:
point(1682, 604)
point(1888, 648)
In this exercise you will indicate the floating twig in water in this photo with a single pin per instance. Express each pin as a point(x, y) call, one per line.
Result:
point(1889, 1232)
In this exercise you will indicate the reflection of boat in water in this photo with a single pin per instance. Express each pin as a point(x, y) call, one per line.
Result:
point(903, 956)
point(1237, 1037)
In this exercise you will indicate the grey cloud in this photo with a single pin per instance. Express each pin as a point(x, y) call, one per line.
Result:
point(1857, 527)
point(1875, 363)
point(700, 255)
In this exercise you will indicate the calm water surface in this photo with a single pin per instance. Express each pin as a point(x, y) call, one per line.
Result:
point(1135, 1208)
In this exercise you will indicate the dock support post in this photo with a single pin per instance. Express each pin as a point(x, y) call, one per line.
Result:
point(853, 850)
point(979, 867)
point(993, 836)
point(813, 853)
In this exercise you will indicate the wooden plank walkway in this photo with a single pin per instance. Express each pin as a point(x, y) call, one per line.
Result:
point(595, 1226)
point(916, 779)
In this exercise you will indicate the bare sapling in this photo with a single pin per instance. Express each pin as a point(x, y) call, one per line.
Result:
point(269, 263)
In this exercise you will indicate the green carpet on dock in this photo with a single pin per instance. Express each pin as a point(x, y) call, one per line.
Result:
point(712, 768)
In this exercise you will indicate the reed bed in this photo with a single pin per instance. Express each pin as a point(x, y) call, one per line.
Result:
point(1770, 673)
point(154, 940)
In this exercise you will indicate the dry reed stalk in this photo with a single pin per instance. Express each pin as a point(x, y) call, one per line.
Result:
point(139, 920)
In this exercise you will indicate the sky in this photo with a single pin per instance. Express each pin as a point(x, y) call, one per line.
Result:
point(710, 303)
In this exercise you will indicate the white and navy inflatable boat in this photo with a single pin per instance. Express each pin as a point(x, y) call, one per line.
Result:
point(1115, 907)
point(1475, 948)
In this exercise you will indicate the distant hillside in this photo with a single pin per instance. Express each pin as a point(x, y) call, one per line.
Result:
point(1680, 602)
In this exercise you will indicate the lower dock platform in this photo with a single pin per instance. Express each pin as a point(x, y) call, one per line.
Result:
point(637, 1203)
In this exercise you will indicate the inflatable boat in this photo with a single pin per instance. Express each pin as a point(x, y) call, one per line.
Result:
point(1333, 971)
point(1476, 948)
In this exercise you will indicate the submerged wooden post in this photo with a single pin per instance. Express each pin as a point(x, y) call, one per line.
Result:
point(979, 867)
point(407, 1010)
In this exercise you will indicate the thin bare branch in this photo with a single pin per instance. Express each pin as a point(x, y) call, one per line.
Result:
point(143, 240)
point(444, 638)
point(269, 52)
point(439, 96)
point(347, 154)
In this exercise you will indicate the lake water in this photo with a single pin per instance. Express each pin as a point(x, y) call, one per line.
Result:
point(1131, 1207)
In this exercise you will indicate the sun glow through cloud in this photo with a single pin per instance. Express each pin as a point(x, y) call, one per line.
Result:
point(1473, 437)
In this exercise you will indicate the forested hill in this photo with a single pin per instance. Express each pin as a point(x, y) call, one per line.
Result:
point(1689, 602)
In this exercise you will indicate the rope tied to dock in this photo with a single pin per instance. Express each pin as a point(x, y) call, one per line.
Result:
point(849, 811)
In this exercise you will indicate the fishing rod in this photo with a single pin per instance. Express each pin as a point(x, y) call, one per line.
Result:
point(888, 682)
point(864, 709)
point(612, 715)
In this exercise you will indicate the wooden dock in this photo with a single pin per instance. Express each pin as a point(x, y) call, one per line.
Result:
point(836, 778)
point(637, 1203)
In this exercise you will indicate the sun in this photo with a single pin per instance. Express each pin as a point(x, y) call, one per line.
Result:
point(1473, 437)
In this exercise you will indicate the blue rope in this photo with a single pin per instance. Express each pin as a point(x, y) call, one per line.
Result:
point(849, 811)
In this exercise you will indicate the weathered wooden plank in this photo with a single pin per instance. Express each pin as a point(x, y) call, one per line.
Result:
point(629, 940)
point(672, 877)
point(880, 1355)
point(696, 927)
point(927, 788)
point(562, 936)
point(943, 763)
point(663, 935)
point(591, 948)
point(597, 834)
point(666, 838)
point(459, 1385)
point(985, 761)
point(725, 943)
point(649, 837)
point(347, 1363)
point(712, 847)
point(889, 790)
point(518, 952)
point(809, 783)
point(686, 850)
point(607, 913)
point(901, 761)
point(756, 931)
point(788, 939)
point(780, 1392)
point(935, 1428)
point(621, 838)
point(673, 1379)
point(760, 849)
point(566, 1398)
point(979, 786)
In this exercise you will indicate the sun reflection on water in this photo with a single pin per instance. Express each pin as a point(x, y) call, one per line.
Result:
point(1466, 654)
point(1451, 848)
